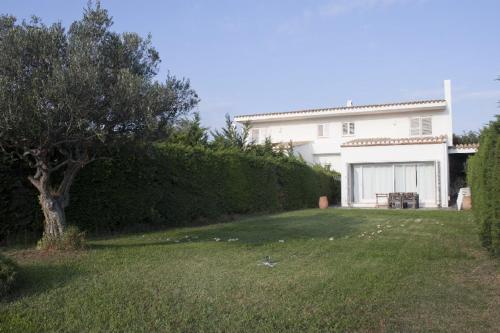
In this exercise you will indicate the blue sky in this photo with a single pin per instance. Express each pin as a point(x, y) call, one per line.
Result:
point(267, 55)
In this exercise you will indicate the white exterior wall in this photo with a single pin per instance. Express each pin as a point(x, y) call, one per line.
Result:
point(395, 154)
point(366, 126)
point(333, 160)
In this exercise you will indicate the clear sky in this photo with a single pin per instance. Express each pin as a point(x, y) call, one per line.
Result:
point(252, 56)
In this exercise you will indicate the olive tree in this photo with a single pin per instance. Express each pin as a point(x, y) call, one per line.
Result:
point(67, 95)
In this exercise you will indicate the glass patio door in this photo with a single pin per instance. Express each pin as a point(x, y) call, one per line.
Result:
point(369, 179)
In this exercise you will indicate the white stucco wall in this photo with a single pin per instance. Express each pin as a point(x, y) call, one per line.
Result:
point(395, 154)
point(392, 124)
point(333, 160)
point(366, 126)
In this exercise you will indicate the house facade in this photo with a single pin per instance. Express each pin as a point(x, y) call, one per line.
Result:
point(378, 149)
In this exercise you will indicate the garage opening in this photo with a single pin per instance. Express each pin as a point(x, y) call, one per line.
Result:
point(371, 179)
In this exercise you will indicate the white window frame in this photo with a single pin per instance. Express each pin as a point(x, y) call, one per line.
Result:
point(420, 126)
point(324, 130)
point(351, 128)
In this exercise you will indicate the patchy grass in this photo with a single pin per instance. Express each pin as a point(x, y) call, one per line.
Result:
point(336, 270)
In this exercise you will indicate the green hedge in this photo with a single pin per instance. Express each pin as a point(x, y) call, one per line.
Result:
point(179, 186)
point(20, 213)
point(484, 178)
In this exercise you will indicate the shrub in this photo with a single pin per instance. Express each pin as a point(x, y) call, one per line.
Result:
point(484, 179)
point(72, 239)
point(8, 275)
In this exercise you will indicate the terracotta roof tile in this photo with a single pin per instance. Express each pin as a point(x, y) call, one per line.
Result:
point(395, 141)
point(466, 146)
point(346, 108)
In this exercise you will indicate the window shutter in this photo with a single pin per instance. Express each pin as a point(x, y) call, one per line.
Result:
point(414, 126)
point(426, 126)
point(266, 133)
point(345, 129)
point(255, 135)
point(321, 131)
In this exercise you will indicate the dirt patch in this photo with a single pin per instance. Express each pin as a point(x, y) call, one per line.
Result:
point(31, 255)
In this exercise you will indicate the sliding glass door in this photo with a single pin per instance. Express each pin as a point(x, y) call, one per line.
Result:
point(370, 179)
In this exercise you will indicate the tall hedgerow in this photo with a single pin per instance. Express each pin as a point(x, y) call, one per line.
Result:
point(484, 178)
point(174, 185)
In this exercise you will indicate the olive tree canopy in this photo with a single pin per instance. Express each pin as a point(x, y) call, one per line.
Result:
point(66, 95)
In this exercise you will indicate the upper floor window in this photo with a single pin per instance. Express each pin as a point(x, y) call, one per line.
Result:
point(255, 135)
point(322, 130)
point(348, 128)
point(420, 126)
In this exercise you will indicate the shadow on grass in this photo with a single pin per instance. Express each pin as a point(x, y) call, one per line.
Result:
point(255, 230)
point(286, 226)
point(38, 278)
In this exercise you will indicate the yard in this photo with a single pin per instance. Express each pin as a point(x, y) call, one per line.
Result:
point(336, 270)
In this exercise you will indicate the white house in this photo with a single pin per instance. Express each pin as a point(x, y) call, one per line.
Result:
point(378, 148)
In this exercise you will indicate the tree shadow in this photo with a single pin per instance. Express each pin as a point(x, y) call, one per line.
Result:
point(135, 244)
point(35, 278)
point(285, 226)
point(255, 231)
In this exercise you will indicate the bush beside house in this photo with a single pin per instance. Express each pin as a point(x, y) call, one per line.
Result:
point(484, 179)
point(174, 185)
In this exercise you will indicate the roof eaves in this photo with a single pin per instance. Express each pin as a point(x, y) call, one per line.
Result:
point(343, 108)
point(365, 142)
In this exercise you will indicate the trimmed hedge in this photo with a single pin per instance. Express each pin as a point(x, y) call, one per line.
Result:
point(176, 185)
point(484, 179)
point(20, 213)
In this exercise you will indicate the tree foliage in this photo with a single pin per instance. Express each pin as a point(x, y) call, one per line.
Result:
point(467, 137)
point(188, 131)
point(66, 97)
point(230, 136)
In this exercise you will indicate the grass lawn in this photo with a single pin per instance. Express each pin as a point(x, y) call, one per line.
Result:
point(382, 271)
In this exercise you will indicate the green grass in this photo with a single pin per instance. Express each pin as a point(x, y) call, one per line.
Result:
point(425, 271)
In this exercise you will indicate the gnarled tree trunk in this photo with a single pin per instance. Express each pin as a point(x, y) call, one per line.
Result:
point(54, 200)
point(55, 219)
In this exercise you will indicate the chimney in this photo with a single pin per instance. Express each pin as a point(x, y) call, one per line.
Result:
point(447, 97)
point(349, 103)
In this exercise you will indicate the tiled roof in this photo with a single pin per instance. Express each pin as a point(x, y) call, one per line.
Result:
point(346, 108)
point(467, 146)
point(394, 141)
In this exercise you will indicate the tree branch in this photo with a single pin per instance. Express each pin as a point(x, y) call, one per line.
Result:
point(69, 176)
point(35, 182)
